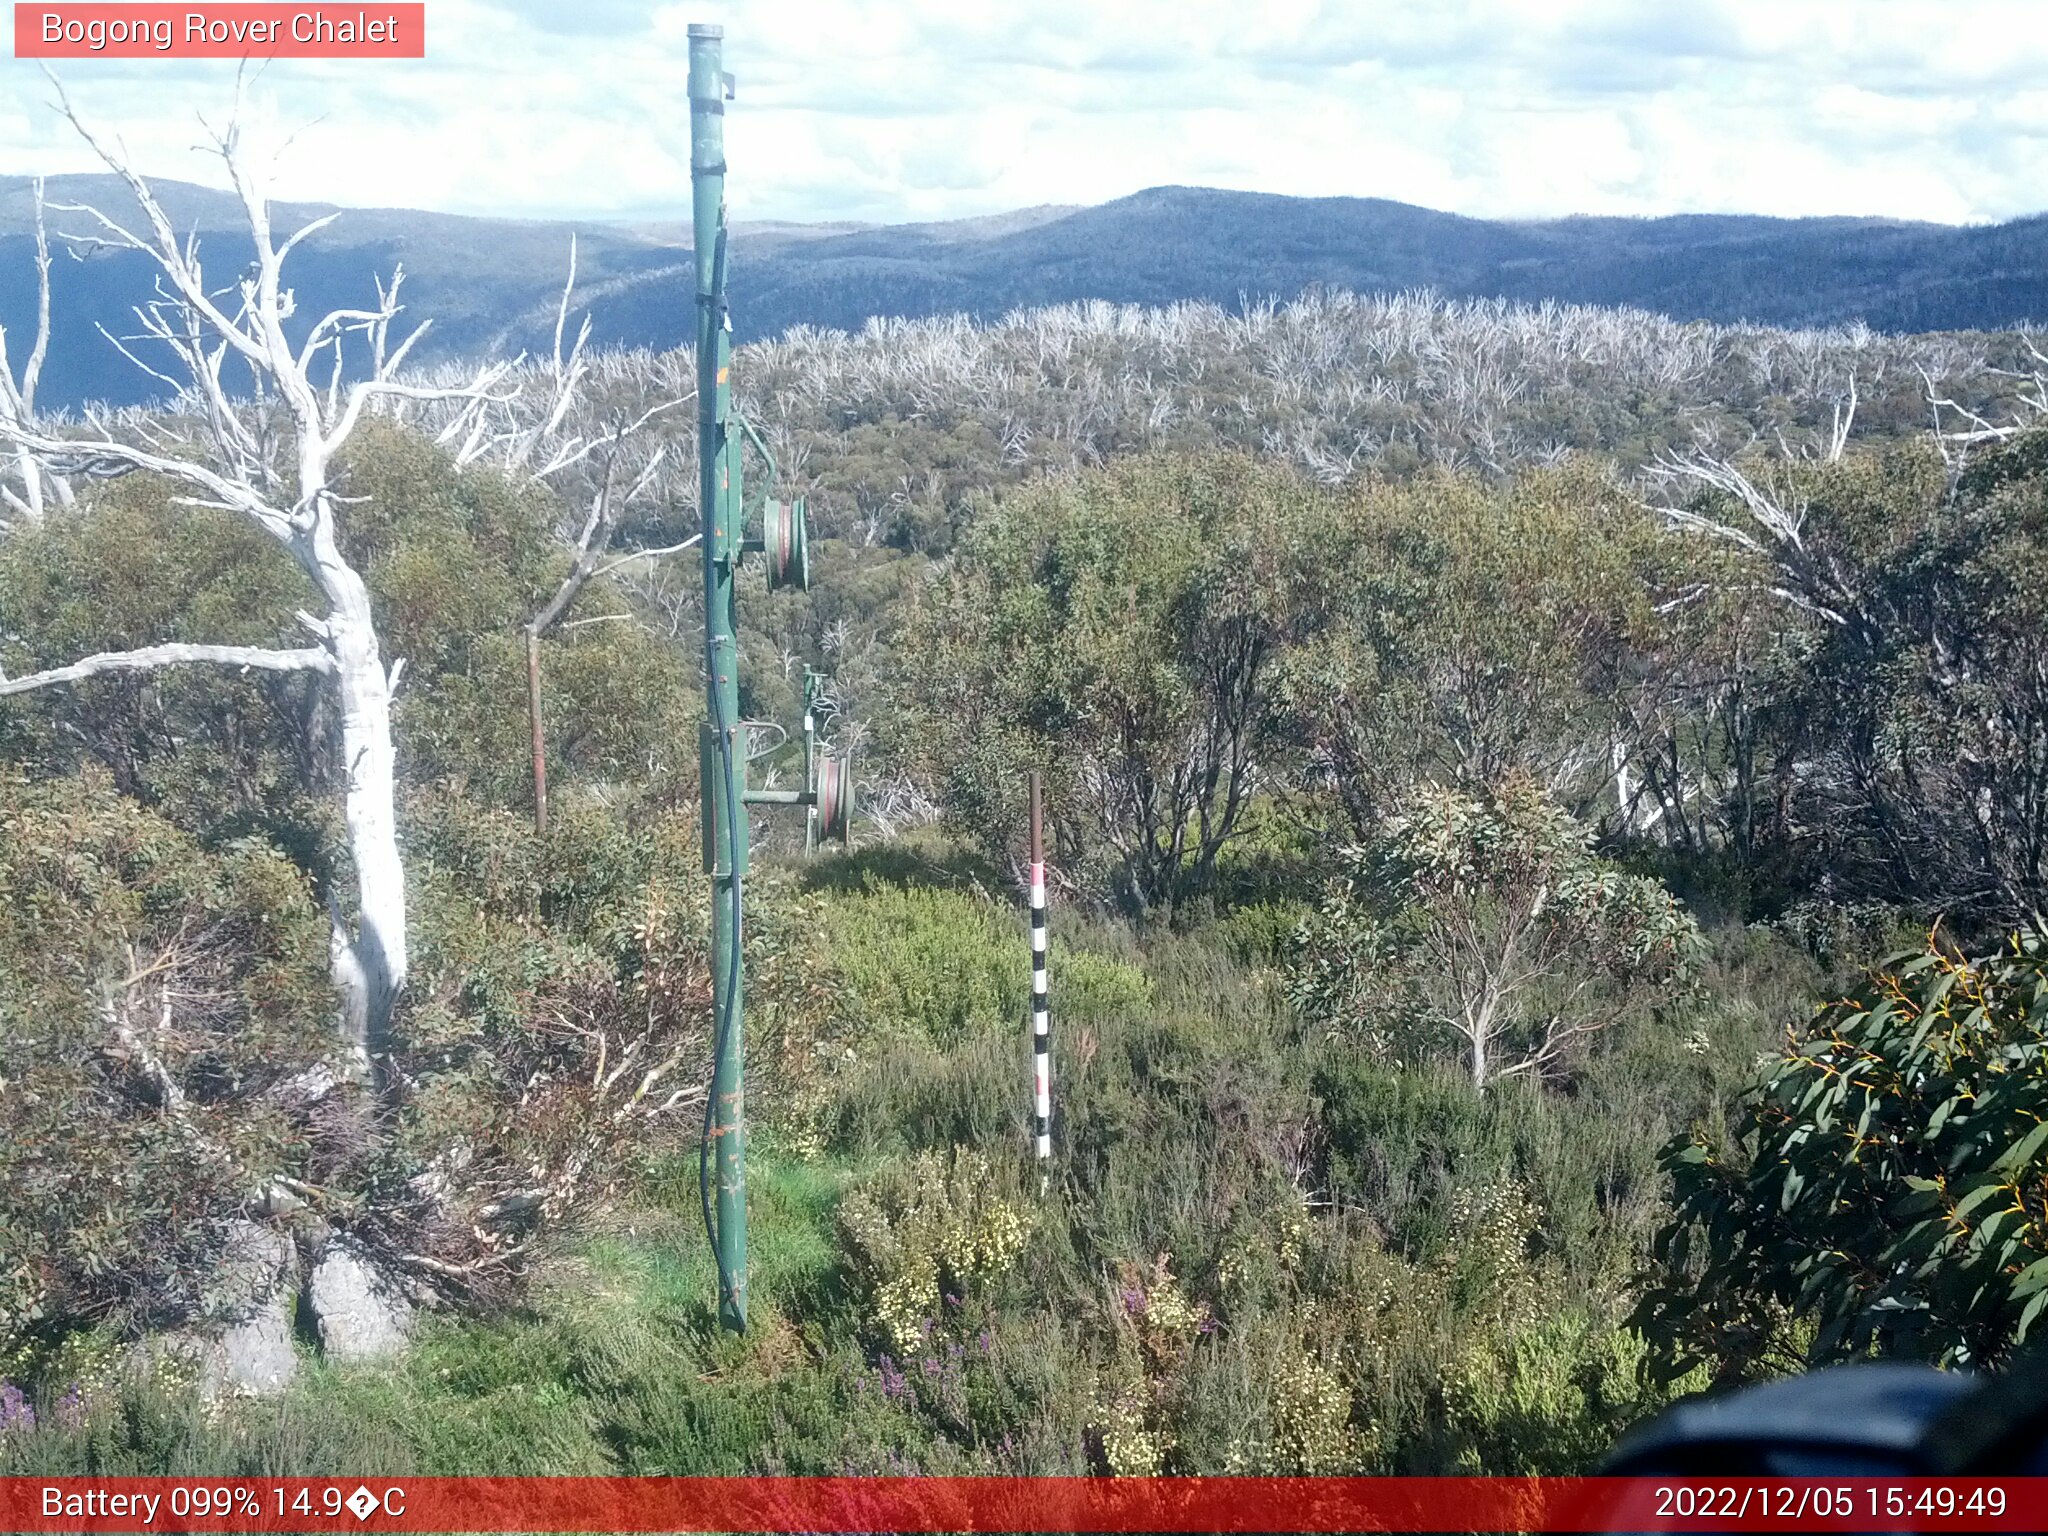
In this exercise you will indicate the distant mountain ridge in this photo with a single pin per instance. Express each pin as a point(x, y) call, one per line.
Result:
point(493, 283)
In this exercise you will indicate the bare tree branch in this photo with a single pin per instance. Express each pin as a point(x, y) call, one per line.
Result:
point(648, 554)
point(150, 657)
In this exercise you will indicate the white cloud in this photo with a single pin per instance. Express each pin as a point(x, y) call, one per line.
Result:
point(899, 109)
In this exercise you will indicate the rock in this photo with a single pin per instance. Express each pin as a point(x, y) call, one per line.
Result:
point(511, 1207)
point(439, 1176)
point(314, 1084)
point(256, 1287)
point(276, 1200)
point(361, 1315)
point(260, 1277)
point(258, 1357)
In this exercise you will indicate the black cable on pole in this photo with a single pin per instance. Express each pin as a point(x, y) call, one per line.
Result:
point(729, 1000)
point(729, 1003)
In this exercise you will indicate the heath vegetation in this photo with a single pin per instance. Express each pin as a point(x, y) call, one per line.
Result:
point(1484, 746)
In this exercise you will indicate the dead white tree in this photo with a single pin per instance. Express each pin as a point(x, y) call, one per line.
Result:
point(606, 500)
point(601, 456)
point(270, 456)
point(2029, 408)
point(36, 485)
point(1769, 512)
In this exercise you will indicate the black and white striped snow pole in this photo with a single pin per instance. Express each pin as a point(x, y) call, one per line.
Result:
point(1041, 1017)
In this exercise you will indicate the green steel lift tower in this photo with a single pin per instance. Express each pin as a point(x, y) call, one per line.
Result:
point(827, 793)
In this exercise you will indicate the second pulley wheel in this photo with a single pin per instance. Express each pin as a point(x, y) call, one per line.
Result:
point(835, 799)
point(786, 544)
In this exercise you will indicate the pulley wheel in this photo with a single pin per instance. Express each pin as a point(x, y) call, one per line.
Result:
point(835, 799)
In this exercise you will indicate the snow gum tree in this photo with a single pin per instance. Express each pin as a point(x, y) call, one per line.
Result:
point(264, 403)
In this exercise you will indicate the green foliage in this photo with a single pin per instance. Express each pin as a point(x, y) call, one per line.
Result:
point(557, 1025)
point(224, 754)
point(616, 1364)
point(932, 987)
point(1259, 1253)
point(946, 970)
point(930, 965)
point(455, 563)
point(1884, 1190)
point(1113, 629)
point(1282, 1234)
point(1886, 728)
point(153, 996)
point(534, 963)
point(1855, 713)
point(1489, 920)
point(1472, 633)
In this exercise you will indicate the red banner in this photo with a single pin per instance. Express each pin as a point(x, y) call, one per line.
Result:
point(912, 1504)
point(217, 31)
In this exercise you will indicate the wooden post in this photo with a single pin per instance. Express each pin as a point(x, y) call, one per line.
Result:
point(1041, 1018)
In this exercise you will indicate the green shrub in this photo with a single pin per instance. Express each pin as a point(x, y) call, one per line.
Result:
point(1485, 923)
point(557, 1025)
point(929, 965)
point(1886, 1186)
point(1116, 628)
point(153, 997)
point(1266, 932)
point(216, 750)
point(924, 1234)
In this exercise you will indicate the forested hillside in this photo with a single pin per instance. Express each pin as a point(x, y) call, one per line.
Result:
point(1505, 765)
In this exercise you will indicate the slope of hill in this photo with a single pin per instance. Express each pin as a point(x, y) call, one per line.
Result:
point(492, 283)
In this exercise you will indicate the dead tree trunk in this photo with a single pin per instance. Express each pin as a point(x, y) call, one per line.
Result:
point(35, 486)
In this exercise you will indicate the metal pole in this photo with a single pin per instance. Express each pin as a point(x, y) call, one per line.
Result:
point(1041, 1017)
point(810, 762)
point(725, 761)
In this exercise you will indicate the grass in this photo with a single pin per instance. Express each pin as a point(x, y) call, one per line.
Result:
point(615, 1364)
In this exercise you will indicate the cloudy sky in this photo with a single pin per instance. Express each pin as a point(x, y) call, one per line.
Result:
point(915, 109)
